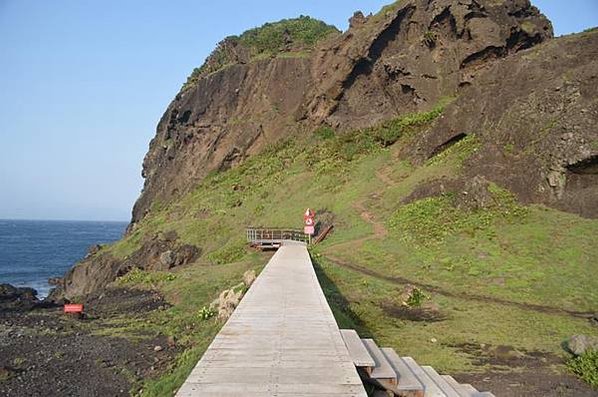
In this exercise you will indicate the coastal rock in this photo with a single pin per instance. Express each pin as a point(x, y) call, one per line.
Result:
point(91, 275)
point(14, 298)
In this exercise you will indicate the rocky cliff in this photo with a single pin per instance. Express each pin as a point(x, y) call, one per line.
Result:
point(403, 59)
point(524, 102)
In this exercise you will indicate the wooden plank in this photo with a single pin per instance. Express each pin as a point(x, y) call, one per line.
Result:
point(407, 383)
point(282, 340)
point(432, 389)
point(441, 382)
point(357, 351)
point(463, 389)
point(472, 390)
point(383, 369)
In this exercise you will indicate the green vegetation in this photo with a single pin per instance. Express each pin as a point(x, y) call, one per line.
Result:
point(430, 38)
point(501, 274)
point(586, 367)
point(206, 313)
point(288, 37)
point(430, 220)
point(141, 277)
point(417, 298)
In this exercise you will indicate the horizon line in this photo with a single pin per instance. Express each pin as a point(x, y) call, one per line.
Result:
point(64, 220)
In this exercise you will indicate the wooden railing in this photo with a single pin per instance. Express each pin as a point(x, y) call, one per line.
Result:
point(274, 236)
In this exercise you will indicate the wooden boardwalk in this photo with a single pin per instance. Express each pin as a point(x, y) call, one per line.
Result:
point(282, 340)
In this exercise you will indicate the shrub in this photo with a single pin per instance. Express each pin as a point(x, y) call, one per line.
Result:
point(298, 34)
point(206, 313)
point(417, 298)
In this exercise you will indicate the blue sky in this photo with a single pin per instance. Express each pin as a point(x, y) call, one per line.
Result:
point(84, 83)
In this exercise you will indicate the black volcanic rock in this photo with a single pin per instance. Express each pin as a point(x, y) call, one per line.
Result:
point(15, 298)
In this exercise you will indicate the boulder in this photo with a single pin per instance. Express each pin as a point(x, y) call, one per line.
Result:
point(579, 344)
point(15, 298)
point(475, 195)
point(249, 277)
point(167, 259)
point(228, 302)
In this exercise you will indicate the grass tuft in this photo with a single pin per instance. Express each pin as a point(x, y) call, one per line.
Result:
point(586, 367)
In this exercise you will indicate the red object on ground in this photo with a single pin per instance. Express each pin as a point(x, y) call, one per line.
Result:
point(76, 308)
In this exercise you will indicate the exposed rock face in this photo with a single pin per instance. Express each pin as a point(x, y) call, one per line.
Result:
point(399, 61)
point(535, 115)
point(415, 53)
point(225, 117)
point(159, 253)
point(529, 100)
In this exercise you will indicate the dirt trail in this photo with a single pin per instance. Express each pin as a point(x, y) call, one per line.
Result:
point(379, 229)
point(466, 296)
point(385, 178)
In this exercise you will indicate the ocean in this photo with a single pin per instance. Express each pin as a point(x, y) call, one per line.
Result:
point(31, 252)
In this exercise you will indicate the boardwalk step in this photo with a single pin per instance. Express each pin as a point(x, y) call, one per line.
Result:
point(432, 389)
point(408, 385)
point(439, 380)
point(465, 390)
point(383, 370)
point(359, 354)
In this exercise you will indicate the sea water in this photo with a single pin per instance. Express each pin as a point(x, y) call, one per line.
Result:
point(31, 252)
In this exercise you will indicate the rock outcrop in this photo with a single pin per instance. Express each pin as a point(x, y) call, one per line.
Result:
point(534, 115)
point(412, 54)
point(159, 253)
point(401, 60)
point(17, 299)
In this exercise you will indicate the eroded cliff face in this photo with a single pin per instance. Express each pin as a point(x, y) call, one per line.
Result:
point(415, 53)
point(535, 116)
point(401, 60)
point(213, 125)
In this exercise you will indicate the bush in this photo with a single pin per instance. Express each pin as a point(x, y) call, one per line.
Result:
point(417, 298)
point(206, 313)
point(586, 367)
point(271, 37)
point(299, 34)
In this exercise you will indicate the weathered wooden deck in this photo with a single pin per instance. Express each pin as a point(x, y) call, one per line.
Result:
point(282, 340)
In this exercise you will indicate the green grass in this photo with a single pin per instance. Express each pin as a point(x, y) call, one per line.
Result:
point(430, 220)
point(586, 367)
point(359, 301)
point(483, 268)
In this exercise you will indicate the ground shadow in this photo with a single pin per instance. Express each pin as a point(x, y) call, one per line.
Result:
point(345, 317)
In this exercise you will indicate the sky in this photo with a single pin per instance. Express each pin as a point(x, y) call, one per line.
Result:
point(83, 84)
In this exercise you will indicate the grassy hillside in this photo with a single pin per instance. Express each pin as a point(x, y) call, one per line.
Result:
point(504, 275)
